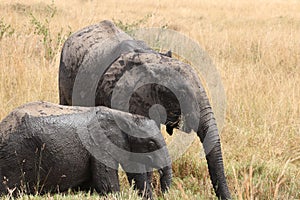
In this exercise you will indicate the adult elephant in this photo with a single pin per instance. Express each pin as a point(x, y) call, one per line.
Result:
point(101, 65)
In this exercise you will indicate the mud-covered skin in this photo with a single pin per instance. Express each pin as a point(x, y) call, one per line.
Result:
point(79, 47)
point(41, 149)
point(157, 66)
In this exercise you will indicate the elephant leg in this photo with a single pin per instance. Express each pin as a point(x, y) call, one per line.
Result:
point(104, 179)
point(149, 177)
point(141, 184)
point(62, 99)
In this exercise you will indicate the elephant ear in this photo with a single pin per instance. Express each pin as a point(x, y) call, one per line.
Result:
point(144, 80)
point(111, 135)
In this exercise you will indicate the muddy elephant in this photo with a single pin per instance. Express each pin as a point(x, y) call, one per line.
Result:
point(46, 147)
point(101, 65)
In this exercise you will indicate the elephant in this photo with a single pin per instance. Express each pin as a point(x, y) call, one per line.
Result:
point(101, 65)
point(45, 147)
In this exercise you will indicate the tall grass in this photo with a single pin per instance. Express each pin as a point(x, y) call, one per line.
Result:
point(255, 46)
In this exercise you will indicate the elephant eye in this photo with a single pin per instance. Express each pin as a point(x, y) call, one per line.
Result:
point(152, 145)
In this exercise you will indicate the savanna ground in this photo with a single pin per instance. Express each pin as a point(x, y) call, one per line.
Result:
point(255, 46)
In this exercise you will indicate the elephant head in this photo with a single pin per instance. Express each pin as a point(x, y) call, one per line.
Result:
point(135, 142)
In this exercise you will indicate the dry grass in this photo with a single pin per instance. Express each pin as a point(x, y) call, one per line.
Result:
point(255, 46)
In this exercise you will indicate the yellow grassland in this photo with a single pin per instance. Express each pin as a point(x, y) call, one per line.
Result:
point(255, 46)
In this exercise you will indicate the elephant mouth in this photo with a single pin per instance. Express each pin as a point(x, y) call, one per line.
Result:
point(174, 121)
point(158, 159)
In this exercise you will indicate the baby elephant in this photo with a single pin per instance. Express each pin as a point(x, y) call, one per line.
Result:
point(46, 148)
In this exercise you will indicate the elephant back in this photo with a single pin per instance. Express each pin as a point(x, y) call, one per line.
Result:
point(39, 140)
point(85, 45)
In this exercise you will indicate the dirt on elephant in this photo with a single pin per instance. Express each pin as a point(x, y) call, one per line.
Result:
point(253, 44)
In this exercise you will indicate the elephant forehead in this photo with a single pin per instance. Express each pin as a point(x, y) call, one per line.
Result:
point(160, 61)
point(145, 57)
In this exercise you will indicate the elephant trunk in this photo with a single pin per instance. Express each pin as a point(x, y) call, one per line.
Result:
point(216, 171)
point(165, 178)
point(209, 136)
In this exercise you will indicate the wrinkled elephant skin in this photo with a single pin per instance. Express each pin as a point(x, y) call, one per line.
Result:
point(108, 54)
point(46, 147)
